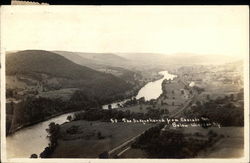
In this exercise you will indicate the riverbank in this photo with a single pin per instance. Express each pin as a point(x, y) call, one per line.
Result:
point(133, 94)
point(39, 121)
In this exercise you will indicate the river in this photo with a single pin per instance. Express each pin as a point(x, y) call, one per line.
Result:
point(151, 90)
point(33, 139)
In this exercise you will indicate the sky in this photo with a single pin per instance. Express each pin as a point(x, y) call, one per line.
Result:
point(220, 30)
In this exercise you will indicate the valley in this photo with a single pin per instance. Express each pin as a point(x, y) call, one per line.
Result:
point(82, 93)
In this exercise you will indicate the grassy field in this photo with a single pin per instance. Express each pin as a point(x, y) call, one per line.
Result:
point(139, 108)
point(85, 142)
point(231, 146)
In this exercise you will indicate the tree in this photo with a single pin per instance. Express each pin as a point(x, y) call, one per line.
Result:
point(134, 101)
point(53, 133)
point(208, 97)
point(9, 93)
point(166, 111)
point(99, 135)
point(240, 95)
point(232, 96)
point(33, 156)
point(69, 118)
point(198, 103)
point(45, 154)
point(141, 100)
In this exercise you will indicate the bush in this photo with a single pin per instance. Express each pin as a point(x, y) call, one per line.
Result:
point(104, 154)
point(99, 135)
point(69, 118)
point(33, 156)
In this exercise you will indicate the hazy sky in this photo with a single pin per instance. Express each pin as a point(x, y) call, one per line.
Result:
point(158, 29)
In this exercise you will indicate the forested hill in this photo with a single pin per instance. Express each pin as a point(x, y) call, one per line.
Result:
point(36, 64)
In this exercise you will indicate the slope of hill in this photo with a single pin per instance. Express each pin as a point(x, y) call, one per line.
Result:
point(104, 63)
point(144, 58)
point(47, 67)
point(76, 58)
point(96, 59)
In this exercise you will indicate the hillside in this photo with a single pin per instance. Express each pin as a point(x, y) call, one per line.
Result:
point(103, 62)
point(51, 68)
point(76, 58)
point(96, 59)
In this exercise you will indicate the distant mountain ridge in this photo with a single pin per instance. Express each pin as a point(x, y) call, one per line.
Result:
point(142, 61)
point(177, 59)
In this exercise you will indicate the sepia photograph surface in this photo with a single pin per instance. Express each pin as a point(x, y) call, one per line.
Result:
point(125, 82)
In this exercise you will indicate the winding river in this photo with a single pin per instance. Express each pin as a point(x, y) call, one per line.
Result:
point(33, 139)
point(152, 90)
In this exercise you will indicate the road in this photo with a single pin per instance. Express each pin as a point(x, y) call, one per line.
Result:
point(119, 150)
point(178, 113)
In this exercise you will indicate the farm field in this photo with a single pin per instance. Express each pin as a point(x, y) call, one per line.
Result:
point(94, 138)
